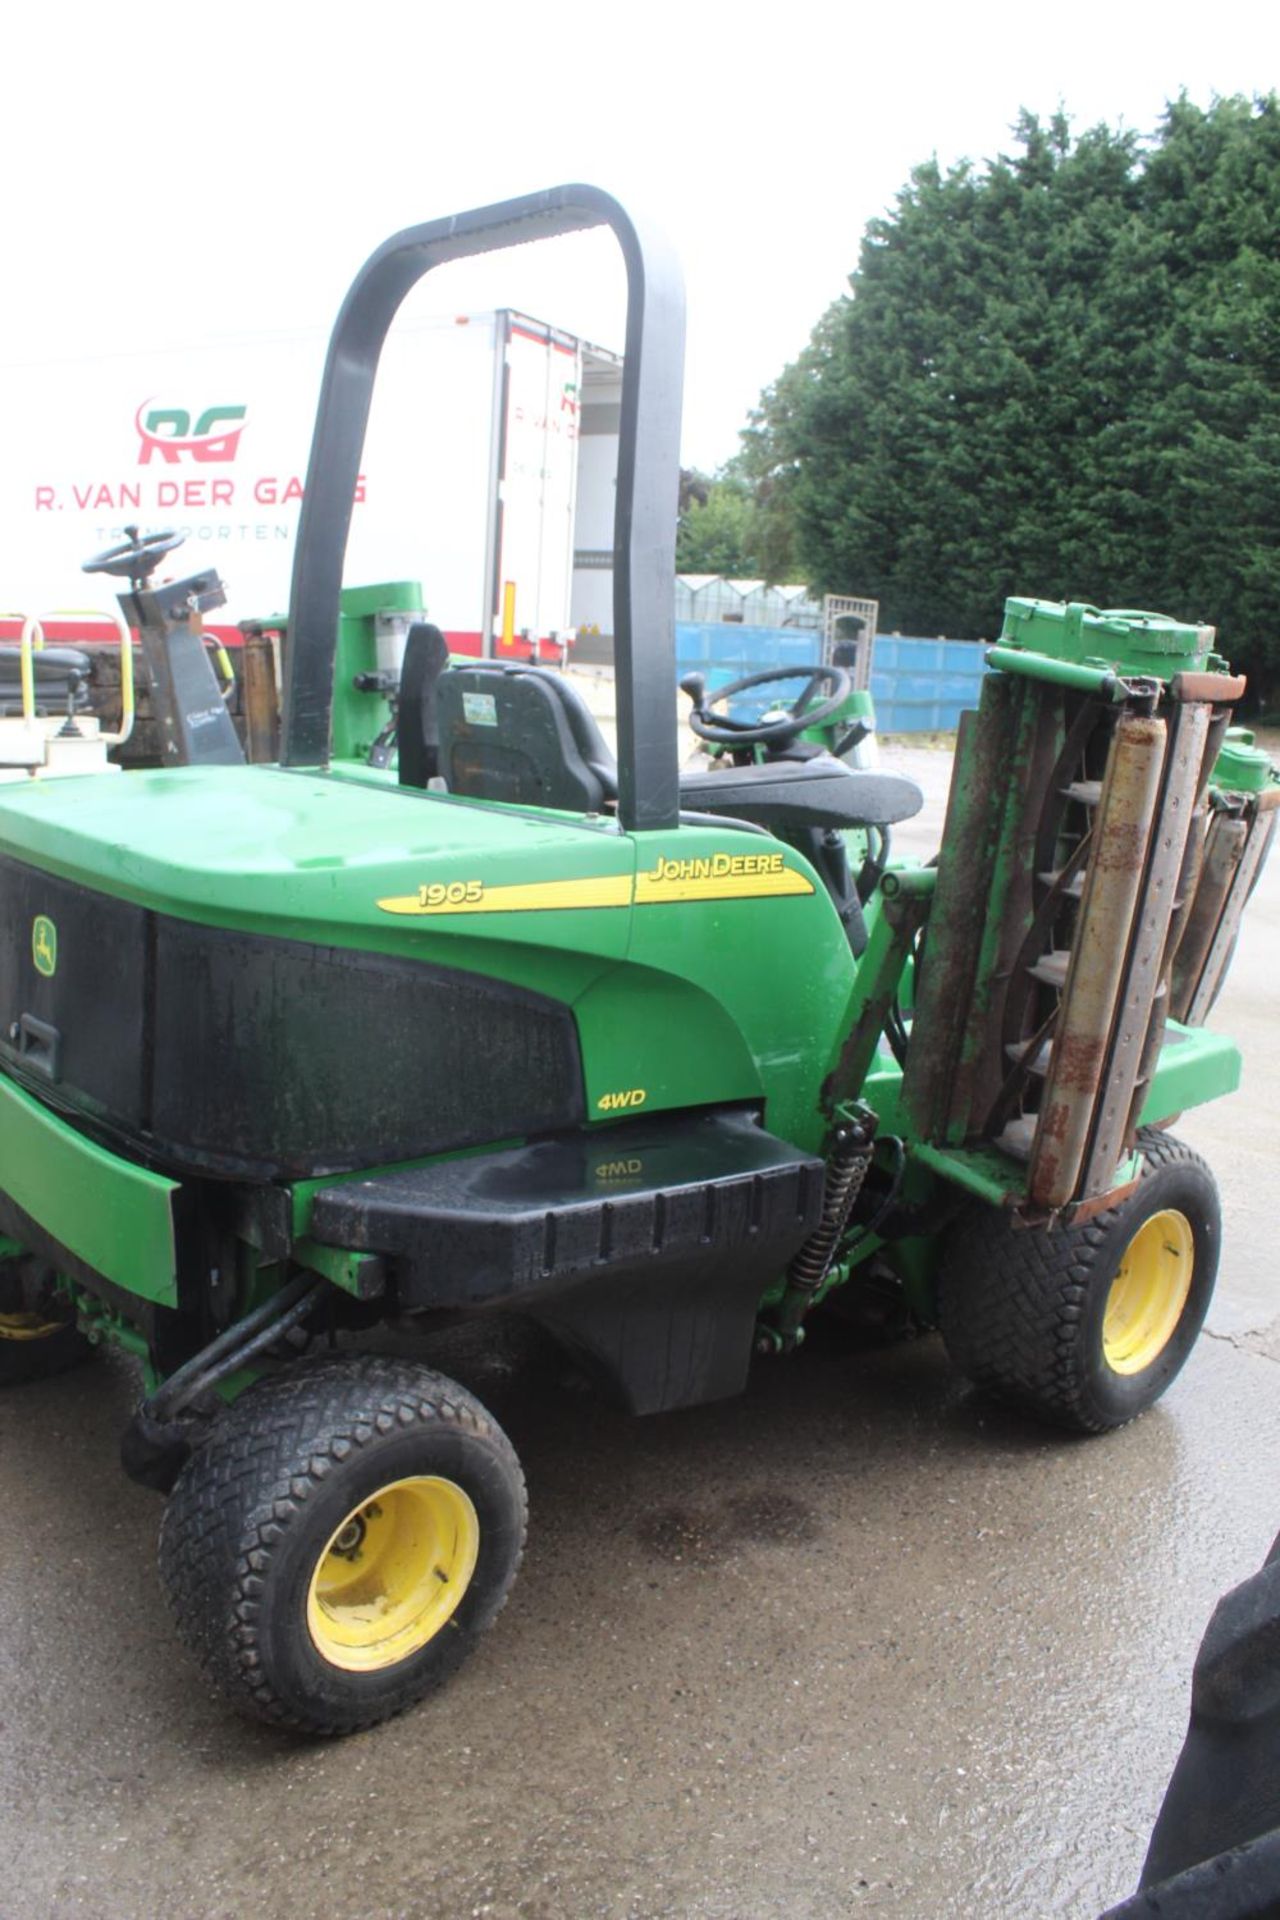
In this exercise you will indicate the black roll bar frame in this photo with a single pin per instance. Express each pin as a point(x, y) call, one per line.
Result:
point(647, 493)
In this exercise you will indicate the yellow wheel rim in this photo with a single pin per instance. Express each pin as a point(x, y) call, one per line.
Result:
point(28, 1326)
point(1149, 1292)
point(393, 1573)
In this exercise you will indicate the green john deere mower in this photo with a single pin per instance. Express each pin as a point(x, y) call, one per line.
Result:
point(653, 1061)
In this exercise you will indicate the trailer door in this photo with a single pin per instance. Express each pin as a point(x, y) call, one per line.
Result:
point(537, 484)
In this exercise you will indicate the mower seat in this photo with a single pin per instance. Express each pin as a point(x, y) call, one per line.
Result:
point(526, 735)
point(426, 658)
point(784, 795)
point(56, 671)
point(522, 734)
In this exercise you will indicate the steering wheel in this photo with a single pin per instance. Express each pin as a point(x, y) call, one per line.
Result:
point(722, 731)
point(134, 558)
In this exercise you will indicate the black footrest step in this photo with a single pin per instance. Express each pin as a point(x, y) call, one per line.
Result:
point(529, 1220)
point(645, 1247)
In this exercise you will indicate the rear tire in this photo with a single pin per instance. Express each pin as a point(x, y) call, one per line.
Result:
point(38, 1338)
point(339, 1543)
point(1086, 1326)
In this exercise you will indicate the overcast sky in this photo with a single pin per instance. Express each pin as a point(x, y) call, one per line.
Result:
point(175, 172)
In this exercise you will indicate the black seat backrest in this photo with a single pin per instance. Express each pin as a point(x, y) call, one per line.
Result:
point(524, 735)
point(55, 671)
point(587, 736)
point(53, 666)
point(426, 655)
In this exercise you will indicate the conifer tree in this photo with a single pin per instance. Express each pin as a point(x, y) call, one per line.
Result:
point(1055, 374)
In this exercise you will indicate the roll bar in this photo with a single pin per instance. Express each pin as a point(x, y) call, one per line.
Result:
point(647, 494)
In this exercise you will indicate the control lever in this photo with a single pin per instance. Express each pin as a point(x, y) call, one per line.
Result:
point(70, 729)
point(695, 685)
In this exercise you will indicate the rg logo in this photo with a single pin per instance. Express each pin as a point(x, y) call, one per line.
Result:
point(169, 432)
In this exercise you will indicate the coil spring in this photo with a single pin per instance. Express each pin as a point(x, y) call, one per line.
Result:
point(847, 1167)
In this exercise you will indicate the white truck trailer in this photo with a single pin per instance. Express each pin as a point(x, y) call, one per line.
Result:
point(488, 473)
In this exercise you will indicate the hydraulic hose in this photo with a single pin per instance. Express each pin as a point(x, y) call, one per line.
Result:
point(231, 1350)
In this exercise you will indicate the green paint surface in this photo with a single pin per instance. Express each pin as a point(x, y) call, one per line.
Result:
point(1242, 766)
point(679, 1002)
point(309, 856)
point(114, 1216)
point(736, 999)
point(1195, 1066)
point(686, 1001)
point(1131, 642)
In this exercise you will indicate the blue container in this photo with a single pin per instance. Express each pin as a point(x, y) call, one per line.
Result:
point(918, 686)
point(923, 686)
point(722, 651)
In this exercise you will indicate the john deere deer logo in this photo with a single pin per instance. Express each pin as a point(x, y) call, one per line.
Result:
point(44, 945)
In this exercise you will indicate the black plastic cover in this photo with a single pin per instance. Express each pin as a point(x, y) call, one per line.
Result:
point(100, 969)
point(243, 1054)
point(647, 1245)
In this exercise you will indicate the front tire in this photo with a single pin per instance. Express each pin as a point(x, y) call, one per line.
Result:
point(334, 1550)
point(1086, 1326)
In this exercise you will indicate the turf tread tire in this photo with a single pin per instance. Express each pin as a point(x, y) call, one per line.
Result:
point(27, 1286)
point(60, 1352)
point(1020, 1310)
point(268, 1475)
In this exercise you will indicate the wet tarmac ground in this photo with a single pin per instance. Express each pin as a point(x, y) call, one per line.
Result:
point(857, 1642)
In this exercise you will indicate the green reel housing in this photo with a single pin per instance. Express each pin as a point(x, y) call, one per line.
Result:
point(1148, 645)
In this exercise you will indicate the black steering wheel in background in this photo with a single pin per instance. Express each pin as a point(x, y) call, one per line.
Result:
point(722, 731)
point(135, 557)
